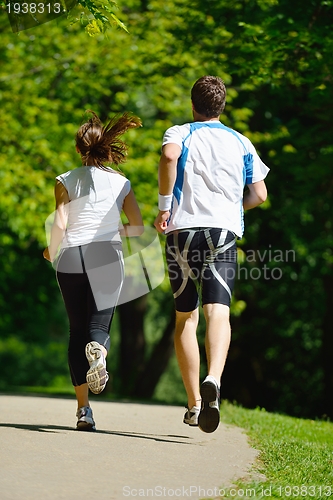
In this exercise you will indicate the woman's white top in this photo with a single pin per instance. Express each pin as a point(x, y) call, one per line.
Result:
point(96, 199)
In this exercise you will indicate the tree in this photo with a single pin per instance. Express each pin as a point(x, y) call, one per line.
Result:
point(279, 59)
point(275, 59)
point(54, 70)
point(96, 16)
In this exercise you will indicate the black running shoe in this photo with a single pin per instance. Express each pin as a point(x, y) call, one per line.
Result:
point(209, 416)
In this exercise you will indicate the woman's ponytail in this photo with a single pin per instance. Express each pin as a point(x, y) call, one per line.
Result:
point(100, 144)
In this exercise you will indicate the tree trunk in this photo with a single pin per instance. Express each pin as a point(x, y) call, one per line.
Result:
point(157, 363)
point(132, 342)
point(140, 376)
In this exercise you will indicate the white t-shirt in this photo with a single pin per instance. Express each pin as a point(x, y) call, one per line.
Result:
point(96, 199)
point(216, 163)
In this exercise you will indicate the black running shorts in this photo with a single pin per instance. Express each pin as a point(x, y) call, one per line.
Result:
point(201, 265)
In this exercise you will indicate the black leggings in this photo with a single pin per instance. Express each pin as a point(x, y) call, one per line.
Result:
point(95, 282)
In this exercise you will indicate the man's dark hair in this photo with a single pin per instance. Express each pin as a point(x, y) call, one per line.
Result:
point(208, 96)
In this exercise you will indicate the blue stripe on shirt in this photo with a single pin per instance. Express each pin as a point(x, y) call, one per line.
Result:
point(178, 187)
point(247, 158)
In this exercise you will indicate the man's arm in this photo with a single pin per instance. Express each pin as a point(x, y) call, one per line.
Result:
point(167, 173)
point(256, 195)
point(167, 169)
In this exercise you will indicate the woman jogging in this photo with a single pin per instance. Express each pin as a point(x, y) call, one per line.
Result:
point(89, 265)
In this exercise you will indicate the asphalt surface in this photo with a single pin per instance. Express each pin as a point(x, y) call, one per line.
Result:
point(138, 451)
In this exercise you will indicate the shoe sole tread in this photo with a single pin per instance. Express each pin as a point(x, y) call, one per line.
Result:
point(97, 376)
point(209, 416)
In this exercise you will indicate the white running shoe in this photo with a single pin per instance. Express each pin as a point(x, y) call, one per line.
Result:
point(191, 416)
point(97, 376)
point(209, 417)
point(85, 421)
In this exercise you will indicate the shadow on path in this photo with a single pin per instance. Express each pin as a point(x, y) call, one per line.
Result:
point(55, 428)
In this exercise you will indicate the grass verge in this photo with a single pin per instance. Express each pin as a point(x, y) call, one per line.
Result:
point(296, 455)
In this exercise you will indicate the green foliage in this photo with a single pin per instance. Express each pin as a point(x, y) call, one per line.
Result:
point(293, 453)
point(35, 364)
point(96, 16)
point(275, 57)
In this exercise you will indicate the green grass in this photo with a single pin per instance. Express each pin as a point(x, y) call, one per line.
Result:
point(296, 455)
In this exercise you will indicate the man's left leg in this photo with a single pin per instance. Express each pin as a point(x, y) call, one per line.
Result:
point(217, 340)
point(217, 343)
point(188, 357)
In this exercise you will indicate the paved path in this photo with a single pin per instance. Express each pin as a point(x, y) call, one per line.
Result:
point(139, 451)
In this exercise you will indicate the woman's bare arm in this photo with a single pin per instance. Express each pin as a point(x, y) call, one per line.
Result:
point(60, 221)
point(134, 227)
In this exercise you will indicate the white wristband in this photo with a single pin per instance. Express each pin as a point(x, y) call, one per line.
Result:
point(164, 202)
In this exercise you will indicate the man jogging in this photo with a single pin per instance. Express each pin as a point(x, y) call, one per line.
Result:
point(203, 169)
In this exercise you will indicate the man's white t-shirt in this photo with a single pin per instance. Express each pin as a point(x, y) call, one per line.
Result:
point(96, 199)
point(215, 164)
